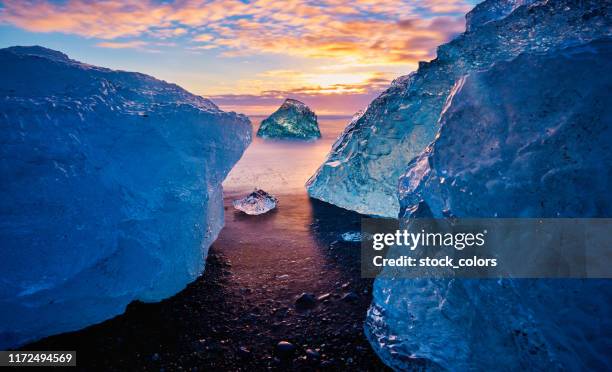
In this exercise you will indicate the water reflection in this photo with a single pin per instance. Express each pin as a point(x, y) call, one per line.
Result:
point(282, 167)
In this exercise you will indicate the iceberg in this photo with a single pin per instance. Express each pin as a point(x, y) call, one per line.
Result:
point(111, 190)
point(256, 203)
point(362, 170)
point(351, 236)
point(528, 137)
point(292, 120)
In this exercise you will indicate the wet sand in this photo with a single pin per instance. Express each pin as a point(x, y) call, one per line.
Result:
point(233, 316)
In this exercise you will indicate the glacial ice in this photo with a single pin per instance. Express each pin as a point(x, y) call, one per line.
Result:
point(489, 11)
point(525, 138)
point(351, 236)
point(362, 170)
point(256, 203)
point(292, 120)
point(529, 137)
point(111, 190)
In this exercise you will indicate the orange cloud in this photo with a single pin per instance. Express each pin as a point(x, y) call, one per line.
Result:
point(364, 42)
point(331, 99)
point(368, 32)
point(103, 19)
point(204, 38)
point(167, 33)
point(344, 104)
point(352, 48)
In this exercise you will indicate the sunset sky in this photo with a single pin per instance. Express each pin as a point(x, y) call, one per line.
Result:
point(247, 56)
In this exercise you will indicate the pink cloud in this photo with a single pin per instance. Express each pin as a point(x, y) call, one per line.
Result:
point(336, 99)
point(339, 38)
point(367, 31)
point(265, 104)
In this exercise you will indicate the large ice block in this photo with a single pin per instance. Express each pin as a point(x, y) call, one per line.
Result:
point(525, 138)
point(362, 170)
point(110, 190)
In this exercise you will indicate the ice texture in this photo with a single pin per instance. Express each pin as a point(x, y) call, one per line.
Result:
point(363, 168)
point(257, 202)
point(111, 190)
point(351, 236)
point(488, 11)
point(530, 137)
point(292, 120)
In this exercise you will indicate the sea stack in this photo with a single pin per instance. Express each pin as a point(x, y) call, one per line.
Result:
point(293, 120)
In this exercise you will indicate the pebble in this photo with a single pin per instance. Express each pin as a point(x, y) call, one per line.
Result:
point(244, 351)
point(305, 301)
point(327, 363)
point(312, 354)
point(350, 297)
point(285, 349)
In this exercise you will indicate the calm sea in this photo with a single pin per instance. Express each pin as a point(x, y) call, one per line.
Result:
point(282, 167)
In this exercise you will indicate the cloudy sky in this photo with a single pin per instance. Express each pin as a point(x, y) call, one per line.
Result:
point(336, 55)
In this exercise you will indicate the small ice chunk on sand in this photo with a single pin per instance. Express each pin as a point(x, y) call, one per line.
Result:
point(351, 236)
point(257, 202)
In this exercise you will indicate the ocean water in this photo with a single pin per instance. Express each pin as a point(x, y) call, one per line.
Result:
point(281, 166)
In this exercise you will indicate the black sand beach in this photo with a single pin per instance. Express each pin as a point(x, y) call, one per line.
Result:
point(233, 317)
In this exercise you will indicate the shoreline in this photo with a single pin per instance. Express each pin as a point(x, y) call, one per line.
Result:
point(234, 315)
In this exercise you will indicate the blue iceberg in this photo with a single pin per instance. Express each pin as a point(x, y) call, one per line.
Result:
point(363, 168)
point(292, 120)
point(111, 190)
point(527, 137)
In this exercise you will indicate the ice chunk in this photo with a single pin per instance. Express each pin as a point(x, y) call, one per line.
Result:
point(293, 120)
point(363, 168)
point(257, 202)
point(351, 236)
point(492, 158)
point(111, 190)
point(526, 138)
